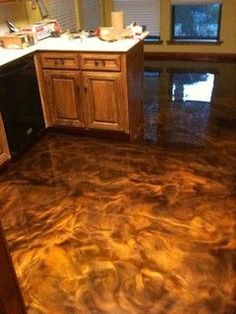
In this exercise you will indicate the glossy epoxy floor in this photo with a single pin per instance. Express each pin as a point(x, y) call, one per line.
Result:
point(101, 226)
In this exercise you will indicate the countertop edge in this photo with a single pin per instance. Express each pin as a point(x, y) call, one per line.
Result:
point(58, 44)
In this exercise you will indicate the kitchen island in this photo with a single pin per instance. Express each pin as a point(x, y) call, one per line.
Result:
point(89, 85)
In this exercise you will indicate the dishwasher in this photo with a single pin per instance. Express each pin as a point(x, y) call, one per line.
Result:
point(20, 105)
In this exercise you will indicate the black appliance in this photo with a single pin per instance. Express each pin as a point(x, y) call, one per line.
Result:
point(20, 105)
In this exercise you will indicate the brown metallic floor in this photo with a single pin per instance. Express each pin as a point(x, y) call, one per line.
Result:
point(102, 226)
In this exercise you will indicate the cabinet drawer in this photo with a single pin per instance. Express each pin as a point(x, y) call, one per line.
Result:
point(101, 62)
point(63, 60)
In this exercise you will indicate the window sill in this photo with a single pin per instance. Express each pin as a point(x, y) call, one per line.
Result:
point(153, 40)
point(194, 42)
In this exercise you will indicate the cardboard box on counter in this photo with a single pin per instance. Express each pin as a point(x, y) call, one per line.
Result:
point(43, 28)
point(18, 40)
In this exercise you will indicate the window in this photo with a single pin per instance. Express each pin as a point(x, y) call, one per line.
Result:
point(65, 12)
point(196, 20)
point(143, 12)
point(91, 11)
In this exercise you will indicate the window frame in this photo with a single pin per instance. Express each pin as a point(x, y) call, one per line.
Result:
point(193, 39)
point(83, 20)
point(69, 24)
point(153, 37)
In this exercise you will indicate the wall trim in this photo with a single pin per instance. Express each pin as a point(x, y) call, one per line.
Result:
point(212, 57)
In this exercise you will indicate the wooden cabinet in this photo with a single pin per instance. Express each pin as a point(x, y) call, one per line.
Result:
point(64, 97)
point(7, 1)
point(57, 60)
point(91, 90)
point(104, 101)
point(101, 62)
point(4, 151)
point(11, 300)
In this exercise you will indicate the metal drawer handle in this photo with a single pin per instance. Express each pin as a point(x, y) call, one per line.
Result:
point(59, 62)
point(99, 63)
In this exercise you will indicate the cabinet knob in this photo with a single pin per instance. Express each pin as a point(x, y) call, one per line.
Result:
point(99, 63)
point(59, 62)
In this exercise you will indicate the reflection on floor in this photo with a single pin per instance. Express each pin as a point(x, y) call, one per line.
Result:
point(189, 104)
point(101, 226)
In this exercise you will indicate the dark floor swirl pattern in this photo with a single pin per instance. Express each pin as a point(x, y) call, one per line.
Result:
point(102, 227)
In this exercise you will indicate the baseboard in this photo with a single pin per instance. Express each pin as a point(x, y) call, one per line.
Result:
point(212, 57)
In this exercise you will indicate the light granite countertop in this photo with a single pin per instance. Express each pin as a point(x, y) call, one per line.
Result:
point(64, 44)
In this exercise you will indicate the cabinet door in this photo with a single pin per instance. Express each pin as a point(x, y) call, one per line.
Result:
point(4, 151)
point(105, 102)
point(64, 97)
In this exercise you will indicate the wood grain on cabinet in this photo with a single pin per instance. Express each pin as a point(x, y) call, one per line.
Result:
point(64, 97)
point(133, 72)
point(100, 62)
point(104, 101)
point(107, 96)
point(6, 1)
point(4, 151)
point(60, 60)
point(11, 300)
